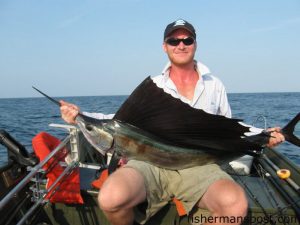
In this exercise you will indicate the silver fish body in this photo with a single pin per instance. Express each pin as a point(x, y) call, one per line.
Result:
point(133, 143)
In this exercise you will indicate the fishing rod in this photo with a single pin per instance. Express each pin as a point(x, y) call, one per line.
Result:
point(251, 195)
point(289, 180)
point(278, 184)
point(264, 174)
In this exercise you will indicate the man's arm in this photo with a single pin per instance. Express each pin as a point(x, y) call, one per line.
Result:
point(69, 112)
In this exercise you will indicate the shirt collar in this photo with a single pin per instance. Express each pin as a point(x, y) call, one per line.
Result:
point(200, 67)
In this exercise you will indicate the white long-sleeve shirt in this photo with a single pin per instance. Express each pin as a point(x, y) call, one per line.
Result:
point(210, 94)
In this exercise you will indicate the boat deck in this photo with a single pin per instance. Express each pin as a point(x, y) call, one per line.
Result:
point(271, 199)
point(265, 202)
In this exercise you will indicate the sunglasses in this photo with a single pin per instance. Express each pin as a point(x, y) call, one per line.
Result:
point(176, 41)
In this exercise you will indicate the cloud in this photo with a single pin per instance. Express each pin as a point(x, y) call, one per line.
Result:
point(278, 26)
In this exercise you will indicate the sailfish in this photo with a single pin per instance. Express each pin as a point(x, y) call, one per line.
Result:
point(157, 128)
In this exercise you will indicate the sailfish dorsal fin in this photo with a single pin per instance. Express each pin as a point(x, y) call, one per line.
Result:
point(157, 112)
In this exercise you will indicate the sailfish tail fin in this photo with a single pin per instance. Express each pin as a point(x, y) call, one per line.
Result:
point(288, 131)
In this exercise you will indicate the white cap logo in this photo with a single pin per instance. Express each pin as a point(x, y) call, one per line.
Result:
point(179, 22)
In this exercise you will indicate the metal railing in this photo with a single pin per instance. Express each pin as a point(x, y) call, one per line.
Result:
point(68, 170)
point(36, 172)
point(33, 171)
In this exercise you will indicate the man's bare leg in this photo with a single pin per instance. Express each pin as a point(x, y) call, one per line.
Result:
point(123, 190)
point(225, 199)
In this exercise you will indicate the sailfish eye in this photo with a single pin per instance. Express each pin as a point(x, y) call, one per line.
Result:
point(89, 127)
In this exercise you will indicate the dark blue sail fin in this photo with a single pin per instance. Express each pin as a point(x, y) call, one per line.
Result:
point(288, 131)
point(151, 109)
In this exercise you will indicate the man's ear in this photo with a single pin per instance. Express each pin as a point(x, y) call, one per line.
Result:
point(164, 47)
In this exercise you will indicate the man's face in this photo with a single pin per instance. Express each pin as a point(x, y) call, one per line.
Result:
point(181, 54)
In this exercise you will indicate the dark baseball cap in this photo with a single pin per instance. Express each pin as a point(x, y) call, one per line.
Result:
point(179, 24)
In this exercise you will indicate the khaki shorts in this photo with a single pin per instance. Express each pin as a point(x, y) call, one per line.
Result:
point(187, 185)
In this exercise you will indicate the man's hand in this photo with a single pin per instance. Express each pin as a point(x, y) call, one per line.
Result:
point(276, 137)
point(69, 111)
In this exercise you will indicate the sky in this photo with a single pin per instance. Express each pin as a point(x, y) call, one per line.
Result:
point(107, 47)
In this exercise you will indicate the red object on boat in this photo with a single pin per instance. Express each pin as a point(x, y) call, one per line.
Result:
point(69, 189)
point(99, 182)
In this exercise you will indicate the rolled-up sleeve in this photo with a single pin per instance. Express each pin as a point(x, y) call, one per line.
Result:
point(224, 107)
point(99, 116)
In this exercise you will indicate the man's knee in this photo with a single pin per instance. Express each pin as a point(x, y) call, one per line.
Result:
point(111, 198)
point(233, 200)
point(225, 197)
point(238, 206)
point(124, 188)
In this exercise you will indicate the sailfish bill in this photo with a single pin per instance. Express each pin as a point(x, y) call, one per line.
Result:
point(155, 127)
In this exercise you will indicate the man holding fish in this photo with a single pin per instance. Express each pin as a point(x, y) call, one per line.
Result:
point(138, 190)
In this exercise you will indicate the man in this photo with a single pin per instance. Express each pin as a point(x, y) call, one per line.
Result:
point(203, 186)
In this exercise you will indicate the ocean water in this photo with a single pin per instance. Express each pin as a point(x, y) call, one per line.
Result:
point(23, 118)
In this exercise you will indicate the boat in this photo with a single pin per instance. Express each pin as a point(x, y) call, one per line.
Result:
point(271, 182)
